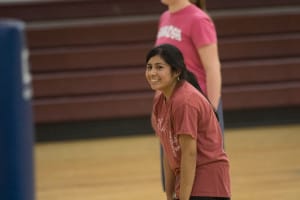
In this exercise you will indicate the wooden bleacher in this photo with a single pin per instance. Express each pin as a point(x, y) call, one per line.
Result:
point(87, 57)
point(260, 57)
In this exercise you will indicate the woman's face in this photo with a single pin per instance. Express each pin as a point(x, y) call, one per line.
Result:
point(160, 76)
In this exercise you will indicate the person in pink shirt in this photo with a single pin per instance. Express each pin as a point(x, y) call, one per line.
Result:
point(190, 29)
point(196, 166)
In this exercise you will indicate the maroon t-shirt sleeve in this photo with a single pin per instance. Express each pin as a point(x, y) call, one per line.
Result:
point(185, 120)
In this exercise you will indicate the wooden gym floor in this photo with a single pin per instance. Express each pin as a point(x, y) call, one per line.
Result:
point(265, 164)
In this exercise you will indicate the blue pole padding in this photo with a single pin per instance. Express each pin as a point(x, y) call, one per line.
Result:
point(16, 120)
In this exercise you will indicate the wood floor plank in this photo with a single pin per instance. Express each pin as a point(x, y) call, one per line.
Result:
point(265, 164)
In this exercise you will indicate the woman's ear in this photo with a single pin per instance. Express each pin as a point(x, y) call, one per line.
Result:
point(178, 72)
point(178, 75)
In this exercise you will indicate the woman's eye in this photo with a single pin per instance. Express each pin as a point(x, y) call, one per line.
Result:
point(148, 67)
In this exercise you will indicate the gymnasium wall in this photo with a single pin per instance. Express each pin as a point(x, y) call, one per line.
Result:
point(87, 60)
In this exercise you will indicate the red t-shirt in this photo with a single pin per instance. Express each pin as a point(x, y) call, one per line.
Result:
point(188, 112)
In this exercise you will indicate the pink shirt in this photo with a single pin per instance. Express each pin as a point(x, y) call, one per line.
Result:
point(188, 112)
point(188, 29)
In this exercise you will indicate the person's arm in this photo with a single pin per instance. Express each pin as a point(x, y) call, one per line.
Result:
point(187, 165)
point(169, 179)
point(211, 63)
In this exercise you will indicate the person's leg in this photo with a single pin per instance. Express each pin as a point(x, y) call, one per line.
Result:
point(221, 117)
point(162, 168)
point(221, 120)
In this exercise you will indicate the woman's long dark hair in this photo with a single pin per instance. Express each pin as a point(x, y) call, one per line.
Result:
point(173, 57)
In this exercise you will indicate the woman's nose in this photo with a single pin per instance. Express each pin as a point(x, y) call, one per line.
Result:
point(153, 71)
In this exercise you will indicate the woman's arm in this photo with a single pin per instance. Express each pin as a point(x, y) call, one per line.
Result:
point(187, 165)
point(169, 179)
point(211, 63)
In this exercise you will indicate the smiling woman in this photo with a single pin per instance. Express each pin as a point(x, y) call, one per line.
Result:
point(166, 62)
point(160, 76)
point(195, 164)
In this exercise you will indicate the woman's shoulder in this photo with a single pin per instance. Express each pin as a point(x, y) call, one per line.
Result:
point(186, 93)
point(188, 88)
point(197, 12)
point(165, 14)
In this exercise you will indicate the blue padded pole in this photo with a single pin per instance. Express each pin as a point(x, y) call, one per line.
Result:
point(16, 123)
